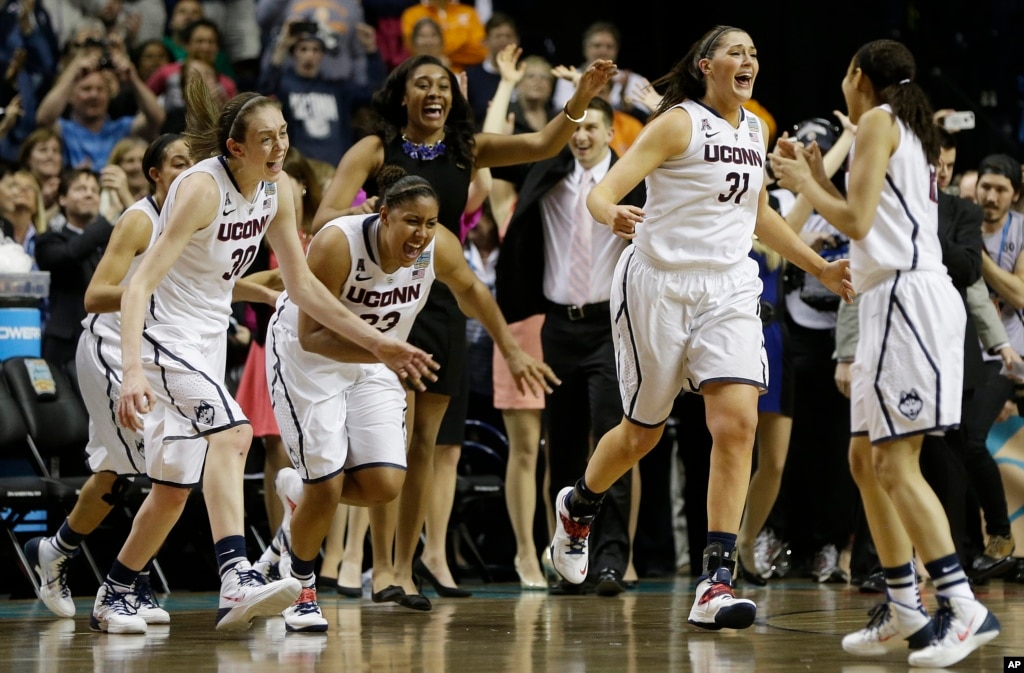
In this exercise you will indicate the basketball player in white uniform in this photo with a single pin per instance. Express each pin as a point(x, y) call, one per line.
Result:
point(175, 313)
point(685, 301)
point(907, 375)
point(114, 453)
point(342, 414)
point(111, 446)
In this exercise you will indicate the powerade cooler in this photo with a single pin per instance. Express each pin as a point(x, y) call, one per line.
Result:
point(20, 294)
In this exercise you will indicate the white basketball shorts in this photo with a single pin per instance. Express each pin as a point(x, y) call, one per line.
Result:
point(907, 375)
point(186, 372)
point(679, 329)
point(111, 447)
point(334, 417)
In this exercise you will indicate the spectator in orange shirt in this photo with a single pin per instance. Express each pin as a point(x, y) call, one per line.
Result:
point(626, 128)
point(463, 32)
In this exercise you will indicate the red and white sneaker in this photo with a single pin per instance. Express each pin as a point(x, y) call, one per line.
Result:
point(962, 625)
point(716, 606)
point(892, 627)
point(569, 546)
point(245, 594)
point(304, 614)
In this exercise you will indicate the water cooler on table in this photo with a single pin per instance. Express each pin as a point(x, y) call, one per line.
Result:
point(20, 296)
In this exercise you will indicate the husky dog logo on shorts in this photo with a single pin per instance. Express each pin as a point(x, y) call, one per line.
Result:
point(910, 404)
point(204, 413)
point(140, 446)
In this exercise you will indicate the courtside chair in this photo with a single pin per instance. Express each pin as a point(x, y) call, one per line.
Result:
point(479, 492)
point(57, 430)
point(19, 494)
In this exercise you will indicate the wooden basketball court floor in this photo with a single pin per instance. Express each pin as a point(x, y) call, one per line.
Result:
point(500, 629)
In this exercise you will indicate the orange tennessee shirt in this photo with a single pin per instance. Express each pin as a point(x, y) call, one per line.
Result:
point(460, 27)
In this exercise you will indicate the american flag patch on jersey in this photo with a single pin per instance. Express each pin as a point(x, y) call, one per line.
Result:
point(418, 274)
point(266, 203)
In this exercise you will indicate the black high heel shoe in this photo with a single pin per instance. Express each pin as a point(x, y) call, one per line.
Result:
point(396, 594)
point(349, 592)
point(749, 575)
point(415, 602)
point(390, 593)
point(421, 572)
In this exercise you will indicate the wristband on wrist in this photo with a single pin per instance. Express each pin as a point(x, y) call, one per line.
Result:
point(565, 111)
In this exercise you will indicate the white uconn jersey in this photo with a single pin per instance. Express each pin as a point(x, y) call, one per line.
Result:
point(703, 201)
point(196, 292)
point(387, 301)
point(904, 232)
point(1005, 247)
point(108, 325)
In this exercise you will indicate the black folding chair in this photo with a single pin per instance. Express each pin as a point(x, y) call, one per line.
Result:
point(479, 488)
point(56, 432)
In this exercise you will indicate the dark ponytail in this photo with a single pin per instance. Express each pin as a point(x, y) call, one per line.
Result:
point(208, 127)
point(686, 81)
point(890, 67)
point(155, 153)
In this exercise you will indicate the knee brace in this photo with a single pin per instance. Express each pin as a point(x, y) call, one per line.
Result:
point(117, 491)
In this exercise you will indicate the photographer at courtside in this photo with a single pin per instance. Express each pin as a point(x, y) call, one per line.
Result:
point(85, 85)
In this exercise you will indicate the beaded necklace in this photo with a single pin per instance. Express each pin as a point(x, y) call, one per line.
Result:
point(422, 151)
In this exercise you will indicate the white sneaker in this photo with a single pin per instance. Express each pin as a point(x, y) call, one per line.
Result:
point(49, 565)
point(267, 569)
point(145, 602)
point(892, 627)
point(962, 625)
point(304, 614)
point(115, 612)
point(772, 556)
point(269, 563)
point(275, 570)
point(288, 485)
point(245, 594)
point(569, 546)
point(826, 566)
point(284, 566)
point(716, 606)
